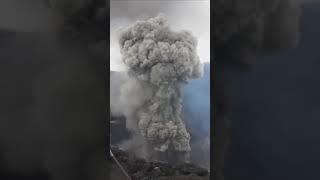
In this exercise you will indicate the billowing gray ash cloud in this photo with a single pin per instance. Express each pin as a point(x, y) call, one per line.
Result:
point(160, 61)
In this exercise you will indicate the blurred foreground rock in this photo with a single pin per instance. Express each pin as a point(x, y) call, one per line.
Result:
point(139, 169)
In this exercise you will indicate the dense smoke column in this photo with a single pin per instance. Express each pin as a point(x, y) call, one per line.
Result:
point(243, 30)
point(161, 61)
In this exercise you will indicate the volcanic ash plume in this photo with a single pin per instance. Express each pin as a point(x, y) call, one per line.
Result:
point(161, 61)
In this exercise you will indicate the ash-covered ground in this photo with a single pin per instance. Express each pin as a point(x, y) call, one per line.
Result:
point(140, 169)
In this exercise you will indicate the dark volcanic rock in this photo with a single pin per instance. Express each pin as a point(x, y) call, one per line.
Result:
point(118, 131)
point(139, 169)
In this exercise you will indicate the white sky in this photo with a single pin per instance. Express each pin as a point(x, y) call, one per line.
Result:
point(182, 14)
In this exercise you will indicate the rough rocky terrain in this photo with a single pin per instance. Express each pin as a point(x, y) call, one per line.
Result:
point(139, 169)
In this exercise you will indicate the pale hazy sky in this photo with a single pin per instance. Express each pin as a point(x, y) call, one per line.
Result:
point(182, 14)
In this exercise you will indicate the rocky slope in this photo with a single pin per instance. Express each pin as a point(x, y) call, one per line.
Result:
point(139, 169)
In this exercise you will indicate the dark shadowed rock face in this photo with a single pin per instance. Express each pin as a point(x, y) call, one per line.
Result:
point(118, 131)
